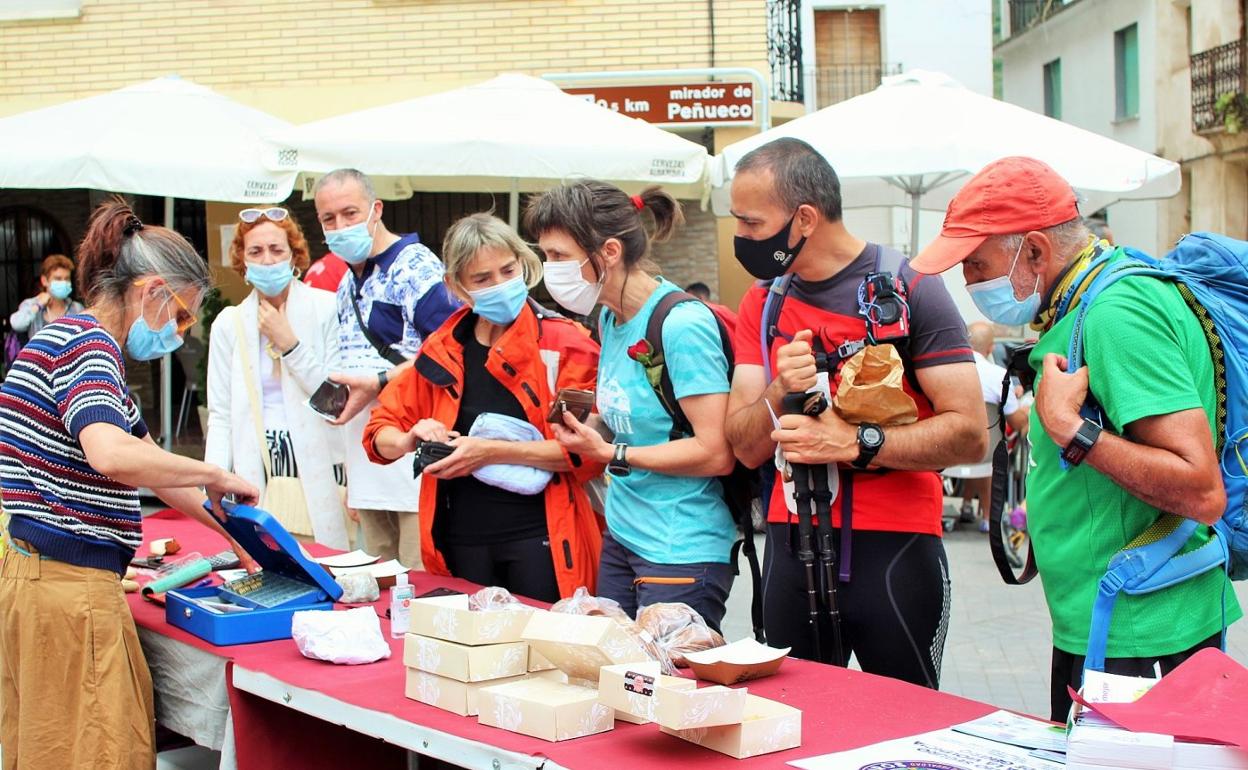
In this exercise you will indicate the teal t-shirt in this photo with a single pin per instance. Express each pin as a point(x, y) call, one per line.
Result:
point(663, 519)
point(1146, 356)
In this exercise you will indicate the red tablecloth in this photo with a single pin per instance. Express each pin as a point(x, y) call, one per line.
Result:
point(841, 709)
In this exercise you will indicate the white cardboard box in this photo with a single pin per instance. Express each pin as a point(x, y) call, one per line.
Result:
point(580, 645)
point(448, 694)
point(544, 709)
point(629, 689)
point(687, 708)
point(463, 662)
point(537, 662)
point(769, 726)
point(448, 618)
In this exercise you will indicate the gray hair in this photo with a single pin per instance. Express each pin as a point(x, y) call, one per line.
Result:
point(474, 232)
point(118, 250)
point(800, 175)
point(344, 175)
point(1068, 238)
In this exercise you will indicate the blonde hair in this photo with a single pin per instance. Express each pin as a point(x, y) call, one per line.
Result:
point(474, 232)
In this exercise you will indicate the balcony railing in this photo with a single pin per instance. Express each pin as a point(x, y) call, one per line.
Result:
point(838, 83)
point(1215, 72)
point(1024, 14)
point(784, 49)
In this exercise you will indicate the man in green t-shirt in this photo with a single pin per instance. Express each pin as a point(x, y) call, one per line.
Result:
point(1027, 257)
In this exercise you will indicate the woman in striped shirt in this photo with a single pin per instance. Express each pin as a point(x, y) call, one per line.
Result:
point(75, 690)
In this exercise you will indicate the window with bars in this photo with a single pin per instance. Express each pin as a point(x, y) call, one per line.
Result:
point(784, 49)
point(1215, 73)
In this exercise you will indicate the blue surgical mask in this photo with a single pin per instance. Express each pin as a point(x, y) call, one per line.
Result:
point(60, 289)
point(995, 298)
point(144, 343)
point(501, 303)
point(270, 280)
point(354, 243)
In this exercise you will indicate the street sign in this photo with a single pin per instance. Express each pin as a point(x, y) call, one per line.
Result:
point(679, 104)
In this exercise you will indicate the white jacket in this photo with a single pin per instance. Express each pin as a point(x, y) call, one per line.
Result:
point(232, 443)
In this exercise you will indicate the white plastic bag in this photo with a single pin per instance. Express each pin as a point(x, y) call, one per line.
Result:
point(350, 637)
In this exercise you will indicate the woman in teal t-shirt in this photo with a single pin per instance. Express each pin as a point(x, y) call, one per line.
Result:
point(669, 532)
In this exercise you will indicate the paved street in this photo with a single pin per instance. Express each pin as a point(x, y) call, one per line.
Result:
point(999, 638)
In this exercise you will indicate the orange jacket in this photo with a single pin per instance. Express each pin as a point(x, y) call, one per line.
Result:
point(533, 359)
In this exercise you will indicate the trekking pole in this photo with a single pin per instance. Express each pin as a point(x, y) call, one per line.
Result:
point(803, 497)
point(827, 557)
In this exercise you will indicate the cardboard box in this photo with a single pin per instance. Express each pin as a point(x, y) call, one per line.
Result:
point(537, 662)
point(544, 709)
point(448, 694)
point(580, 645)
point(629, 689)
point(769, 726)
point(685, 708)
point(463, 662)
point(448, 618)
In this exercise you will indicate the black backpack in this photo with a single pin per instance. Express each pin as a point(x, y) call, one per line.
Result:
point(741, 485)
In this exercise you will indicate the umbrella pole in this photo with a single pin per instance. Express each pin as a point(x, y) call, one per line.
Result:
point(915, 193)
point(166, 369)
point(513, 205)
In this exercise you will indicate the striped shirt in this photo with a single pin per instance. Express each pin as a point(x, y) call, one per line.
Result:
point(70, 375)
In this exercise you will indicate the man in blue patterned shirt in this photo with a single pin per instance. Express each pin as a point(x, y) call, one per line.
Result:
point(388, 302)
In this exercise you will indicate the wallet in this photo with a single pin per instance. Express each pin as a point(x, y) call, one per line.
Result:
point(429, 452)
point(579, 402)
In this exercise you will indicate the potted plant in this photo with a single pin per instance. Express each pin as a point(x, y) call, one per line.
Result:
point(211, 307)
point(1232, 108)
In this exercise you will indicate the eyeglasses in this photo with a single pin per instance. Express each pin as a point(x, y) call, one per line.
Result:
point(273, 214)
point(191, 318)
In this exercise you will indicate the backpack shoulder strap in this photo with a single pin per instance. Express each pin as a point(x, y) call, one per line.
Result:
point(890, 260)
point(681, 426)
point(777, 291)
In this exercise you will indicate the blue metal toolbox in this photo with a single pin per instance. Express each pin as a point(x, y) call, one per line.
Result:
point(255, 608)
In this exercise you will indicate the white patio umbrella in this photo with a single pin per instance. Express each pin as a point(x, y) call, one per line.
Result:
point(165, 137)
point(511, 134)
point(918, 137)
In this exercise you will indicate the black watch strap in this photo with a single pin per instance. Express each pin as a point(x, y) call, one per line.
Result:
point(870, 440)
point(1082, 443)
point(619, 461)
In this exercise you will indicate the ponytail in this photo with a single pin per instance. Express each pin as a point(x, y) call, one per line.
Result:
point(591, 212)
point(118, 249)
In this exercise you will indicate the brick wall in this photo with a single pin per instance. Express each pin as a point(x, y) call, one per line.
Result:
point(691, 254)
point(241, 44)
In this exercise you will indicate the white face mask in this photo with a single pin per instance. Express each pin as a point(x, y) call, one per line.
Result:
point(569, 288)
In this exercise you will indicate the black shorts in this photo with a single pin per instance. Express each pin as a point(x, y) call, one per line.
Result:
point(1067, 670)
point(894, 610)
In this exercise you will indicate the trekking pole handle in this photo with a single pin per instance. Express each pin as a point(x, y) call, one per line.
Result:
point(811, 404)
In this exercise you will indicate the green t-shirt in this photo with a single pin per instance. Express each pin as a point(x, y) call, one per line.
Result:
point(1146, 356)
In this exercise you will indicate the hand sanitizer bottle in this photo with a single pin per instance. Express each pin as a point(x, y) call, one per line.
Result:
point(400, 606)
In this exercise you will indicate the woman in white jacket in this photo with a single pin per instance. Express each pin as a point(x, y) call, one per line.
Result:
point(267, 356)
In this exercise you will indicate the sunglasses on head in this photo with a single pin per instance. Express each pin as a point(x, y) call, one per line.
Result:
point(273, 214)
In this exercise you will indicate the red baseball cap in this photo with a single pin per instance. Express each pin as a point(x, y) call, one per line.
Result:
point(1008, 196)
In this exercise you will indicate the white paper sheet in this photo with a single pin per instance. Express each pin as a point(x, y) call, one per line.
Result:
point(937, 750)
point(353, 559)
point(383, 570)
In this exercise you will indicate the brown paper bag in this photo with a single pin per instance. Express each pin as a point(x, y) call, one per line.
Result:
point(871, 389)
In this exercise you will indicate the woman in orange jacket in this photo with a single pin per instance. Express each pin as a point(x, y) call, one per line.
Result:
point(500, 360)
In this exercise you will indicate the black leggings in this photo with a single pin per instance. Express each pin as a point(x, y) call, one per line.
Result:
point(523, 567)
point(894, 610)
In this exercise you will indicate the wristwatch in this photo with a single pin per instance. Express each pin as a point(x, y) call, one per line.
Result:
point(870, 439)
point(619, 466)
point(382, 379)
point(1082, 442)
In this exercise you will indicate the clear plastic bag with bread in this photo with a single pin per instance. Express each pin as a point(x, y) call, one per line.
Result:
point(582, 602)
point(871, 389)
point(678, 629)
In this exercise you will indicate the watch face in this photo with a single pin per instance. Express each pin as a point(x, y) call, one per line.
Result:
point(871, 435)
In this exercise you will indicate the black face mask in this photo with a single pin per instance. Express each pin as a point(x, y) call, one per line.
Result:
point(768, 258)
